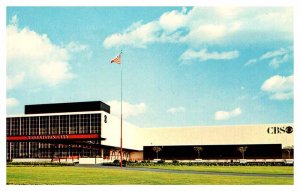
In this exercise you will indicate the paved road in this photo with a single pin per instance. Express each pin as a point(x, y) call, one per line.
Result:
point(191, 172)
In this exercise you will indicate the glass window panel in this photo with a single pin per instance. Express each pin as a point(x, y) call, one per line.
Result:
point(85, 123)
point(25, 126)
point(34, 125)
point(74, 124)
point(95, 123)
point(15, 126)
point(8, 126)
point(64, 124)
point(54, 124)
point(44, 125)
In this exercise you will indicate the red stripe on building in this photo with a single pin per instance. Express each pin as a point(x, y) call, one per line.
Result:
point(53, 137)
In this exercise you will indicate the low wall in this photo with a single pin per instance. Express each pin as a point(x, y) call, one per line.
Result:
point(229, 160)
point(31, 160)
point(55, 160)
point(90, 160)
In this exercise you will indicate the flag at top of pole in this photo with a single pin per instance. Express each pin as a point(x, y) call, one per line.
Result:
point(117, 59)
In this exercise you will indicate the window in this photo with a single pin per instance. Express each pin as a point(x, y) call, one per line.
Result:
point(95, 123)
point(24, 149)
point(84, 123)
point(44, 125)
point(44, 150)
point(34, 149)
point(15, 126)
point(8, 120)
point(54, 125)
point(14, 149)
point(74, 124)
point(64, 124)
point(34, 125)
point(8, 150)
point(25, 126)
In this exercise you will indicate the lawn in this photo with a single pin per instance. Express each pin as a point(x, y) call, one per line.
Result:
point(103, 176)
point(234, 169)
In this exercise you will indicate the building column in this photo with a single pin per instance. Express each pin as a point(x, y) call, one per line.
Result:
point(39, 150)
point(90, 128)
point(10, 151)
point(29, 126)
point(29, 146)
point(49, 130)
point(69, 122)
point(19, 149)
point(59, 125)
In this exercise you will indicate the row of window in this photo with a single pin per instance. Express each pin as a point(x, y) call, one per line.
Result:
point(53, 125)
point(46, 150)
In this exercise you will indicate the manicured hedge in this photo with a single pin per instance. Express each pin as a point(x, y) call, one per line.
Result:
point(176, 163)
point(116, 163)
point(38, 164)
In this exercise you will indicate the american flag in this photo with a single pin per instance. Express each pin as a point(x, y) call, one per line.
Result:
point(117, 59)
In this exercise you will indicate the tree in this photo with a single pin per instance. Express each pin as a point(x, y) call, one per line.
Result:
point(157, 150)
point(198, 150)
point(289, 149)
point(243, 150)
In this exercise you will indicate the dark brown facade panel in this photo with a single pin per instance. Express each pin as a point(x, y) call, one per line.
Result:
point(67, 107)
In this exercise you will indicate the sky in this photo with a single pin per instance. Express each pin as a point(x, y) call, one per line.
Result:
point(182, 66)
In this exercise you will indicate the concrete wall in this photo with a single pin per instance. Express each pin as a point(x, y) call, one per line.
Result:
point(90, 160)
point(216, 135)
point(30, 160)
point(136, 137)
point(132, 135)
point(61, 160)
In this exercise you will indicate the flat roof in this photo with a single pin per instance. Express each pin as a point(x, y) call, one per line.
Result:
point(67, 107)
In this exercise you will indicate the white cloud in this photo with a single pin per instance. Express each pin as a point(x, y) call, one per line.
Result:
point(176, 110)
point(11, 102)
point(250, 62)
point(275, 57)
point(14, 80)
point(136, 35)
point(128, 108)
point(275, 62)
point(227, 12)
point(279, 87)
point(171, 21)
point(33, 59)
point(274, 53)
point(282, 95)
point(76, 47)
point(206, 33)
point(208, 25)
point(203, 55)
point(277, 19)
point(225, 115)
point(14, 20)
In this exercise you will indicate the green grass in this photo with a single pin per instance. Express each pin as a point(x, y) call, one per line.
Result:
point(102, 176)
point(236, 169)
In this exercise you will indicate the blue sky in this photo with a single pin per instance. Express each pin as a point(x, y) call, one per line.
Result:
point(182, 66)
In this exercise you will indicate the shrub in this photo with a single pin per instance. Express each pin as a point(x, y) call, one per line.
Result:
point(38, 164)
point(163, 163)
point(160, 162)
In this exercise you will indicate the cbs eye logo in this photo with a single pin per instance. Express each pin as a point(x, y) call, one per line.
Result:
point(289, 129)
point(280, 130)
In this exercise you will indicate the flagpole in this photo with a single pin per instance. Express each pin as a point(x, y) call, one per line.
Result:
point(121, 141)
